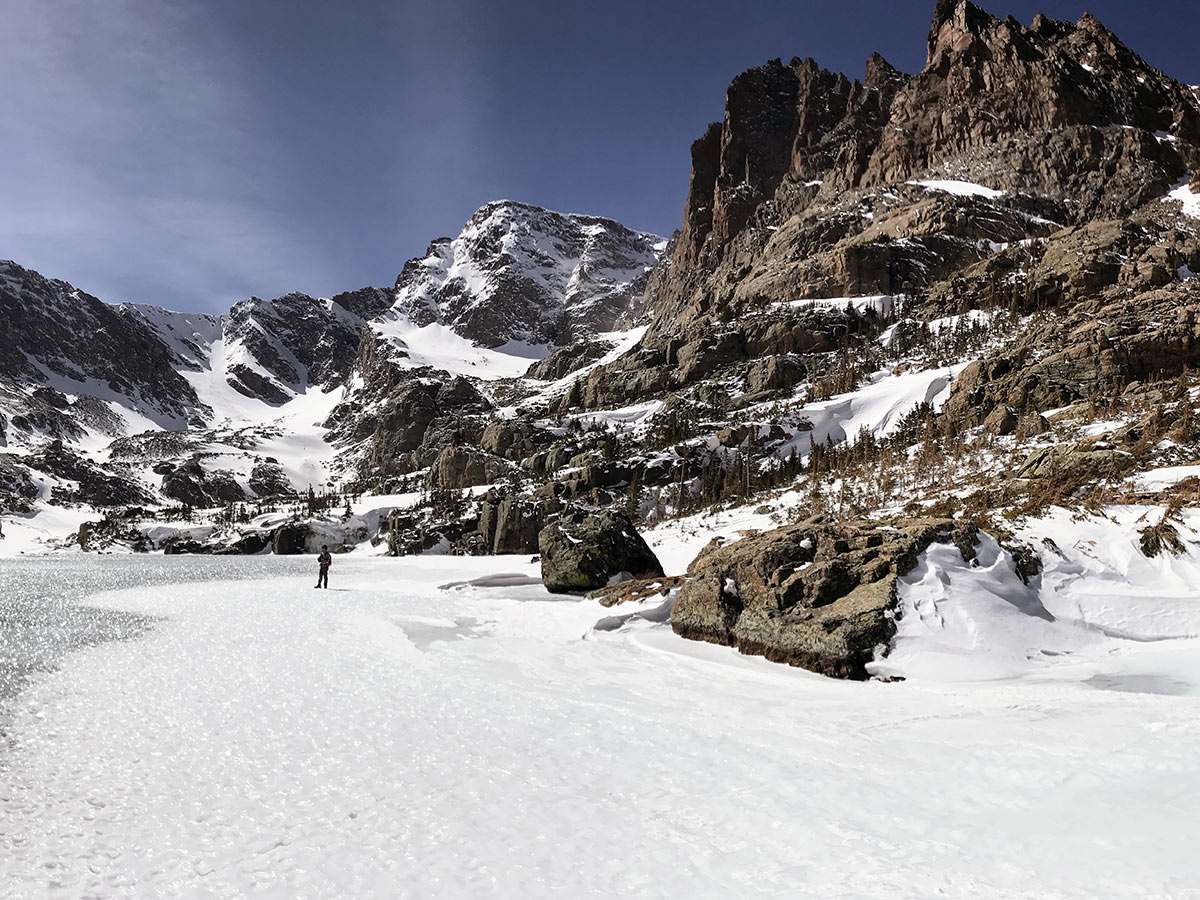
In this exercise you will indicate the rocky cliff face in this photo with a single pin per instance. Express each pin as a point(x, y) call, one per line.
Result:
point(816, 186)
point(1057, 109)
point(299, 340)
point(526, 274)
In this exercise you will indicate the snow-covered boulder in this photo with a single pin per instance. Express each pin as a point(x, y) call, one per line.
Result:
point(814, 595)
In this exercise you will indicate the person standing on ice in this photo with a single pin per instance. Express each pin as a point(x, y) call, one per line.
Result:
point(324, 561)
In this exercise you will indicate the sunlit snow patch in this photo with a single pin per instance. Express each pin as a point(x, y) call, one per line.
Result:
point(1098, 607)
point(441, 347)
point(879, 407)
point(959, 188)
point(1191, 201)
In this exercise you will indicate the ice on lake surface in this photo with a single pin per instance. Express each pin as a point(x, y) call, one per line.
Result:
point(389, 738)
point(42, 617)
point(1135, 683)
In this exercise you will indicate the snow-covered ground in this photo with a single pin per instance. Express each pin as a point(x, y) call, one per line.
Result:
point(1191, 202)
point(879, 407)
point(1099, 609)
point(393, 738)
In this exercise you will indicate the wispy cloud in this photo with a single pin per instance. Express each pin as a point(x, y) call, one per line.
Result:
point(131, 158)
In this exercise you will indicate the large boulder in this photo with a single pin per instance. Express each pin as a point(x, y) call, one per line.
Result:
point(1082, 463)
point(582, 551)
point(291, 538)
point(815, 595)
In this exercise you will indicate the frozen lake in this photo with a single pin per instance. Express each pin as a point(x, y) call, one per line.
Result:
point(43, 616)
point(391, 738)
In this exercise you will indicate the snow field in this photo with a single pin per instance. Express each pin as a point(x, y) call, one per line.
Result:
point(879, 407)
point(387, 738)
point(1099, 611)
point(443, 348)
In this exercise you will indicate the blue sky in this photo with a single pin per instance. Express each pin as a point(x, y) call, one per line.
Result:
point(189, 155)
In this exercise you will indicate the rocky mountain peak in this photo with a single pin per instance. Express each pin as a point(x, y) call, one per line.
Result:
point(956, 24)
point(63, 338)
point(518, 272)
point(1057, 109)
point(1019, 92)
point(881, 73)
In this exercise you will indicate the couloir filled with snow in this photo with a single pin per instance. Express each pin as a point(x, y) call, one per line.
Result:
point(438, 726)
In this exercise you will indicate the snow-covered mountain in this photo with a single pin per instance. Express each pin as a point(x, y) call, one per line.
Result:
point(521, 274)
point(205, 409)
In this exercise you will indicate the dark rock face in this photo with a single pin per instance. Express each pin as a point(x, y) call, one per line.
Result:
point(92, 484)
point(521, 273)
point(813, 595)
point(510, 522)
point(267, 479)
point(464, 467)
point(365, 303)
point(291, 539)
point(118, 527)
point(299, 340)
point(582, 551)
point(75, 336)
point(177, 546)
point(192, 484)
point(17, 489)
point(252, 542)
point(250, 383)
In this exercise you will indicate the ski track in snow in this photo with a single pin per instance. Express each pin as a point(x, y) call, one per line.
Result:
point(389, 739)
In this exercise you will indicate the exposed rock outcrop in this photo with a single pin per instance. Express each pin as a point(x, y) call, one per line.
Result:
point(82, 481)
point(815, 595)
point(583, 550)
point(52, 327)
point(463, 467)
point(192, 484)
point(292, 539)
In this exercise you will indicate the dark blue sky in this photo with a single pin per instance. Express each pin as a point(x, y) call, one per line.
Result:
point(189, 155)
